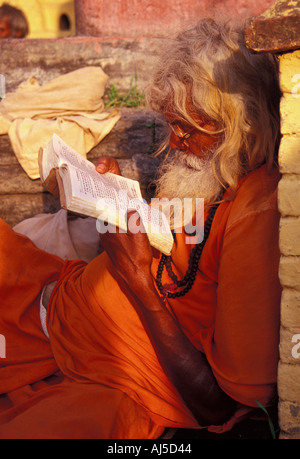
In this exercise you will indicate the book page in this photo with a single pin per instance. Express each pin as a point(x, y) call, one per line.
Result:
point(154, 221)
point(49, 161)
point(104, 194)
point(68, 155)
point(96, 185)
point(93, 187)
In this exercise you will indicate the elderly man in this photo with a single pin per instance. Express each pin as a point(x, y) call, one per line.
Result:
point(137, 341)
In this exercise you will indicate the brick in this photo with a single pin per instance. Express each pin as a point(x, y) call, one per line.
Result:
point(290, 309)
point(286, 436)
point(289, 347)
point(289, 419)
point(289, 154)
point(289, 236)
point(289, 271)
point(289, 66)
point(277, 29)
point(289, 382)
point(289, 195)
point(290, 114)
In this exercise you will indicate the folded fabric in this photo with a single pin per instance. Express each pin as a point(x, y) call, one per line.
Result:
point(70, 105)
point(60, 234)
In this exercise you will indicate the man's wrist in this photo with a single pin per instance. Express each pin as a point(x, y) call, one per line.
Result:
point(146, 294)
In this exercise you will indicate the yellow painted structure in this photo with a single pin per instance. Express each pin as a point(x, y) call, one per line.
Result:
point(47, 18)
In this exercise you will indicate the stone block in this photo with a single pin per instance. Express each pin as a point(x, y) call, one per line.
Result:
point(289, 236)
point(277, 29)
point(122, 59)
point(289, 272)
point(290, 310)
point(289, 66)
point(289, 382)
point(7, 156)
point(289, 195)
point(14, 180)
point(17, 207)
point(289, 419)
point(289, 154)
point(290, 114)
point(286, 436)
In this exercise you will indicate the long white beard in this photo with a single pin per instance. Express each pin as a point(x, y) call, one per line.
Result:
point(186, 178)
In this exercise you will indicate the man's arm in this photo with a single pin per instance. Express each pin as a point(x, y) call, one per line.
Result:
point(186, 367)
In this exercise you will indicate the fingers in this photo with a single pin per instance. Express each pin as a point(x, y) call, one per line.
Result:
point(134, 222)
point(106, 164)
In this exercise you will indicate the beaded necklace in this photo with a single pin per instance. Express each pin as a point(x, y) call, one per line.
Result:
point(187, 282)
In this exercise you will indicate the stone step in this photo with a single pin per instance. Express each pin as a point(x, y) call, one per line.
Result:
point(125, 61)
point(17, 207)
point(131, 142)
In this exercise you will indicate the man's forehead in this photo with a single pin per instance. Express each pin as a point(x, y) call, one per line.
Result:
point(174, 115)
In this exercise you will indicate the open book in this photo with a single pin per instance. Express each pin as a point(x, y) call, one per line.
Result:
point(106, 197)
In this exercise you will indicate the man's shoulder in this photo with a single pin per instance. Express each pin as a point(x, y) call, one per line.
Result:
point(256, 193)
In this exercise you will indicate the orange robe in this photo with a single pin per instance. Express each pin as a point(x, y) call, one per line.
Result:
point(98, 375)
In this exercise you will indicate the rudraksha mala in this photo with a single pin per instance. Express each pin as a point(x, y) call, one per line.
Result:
point(187, 282)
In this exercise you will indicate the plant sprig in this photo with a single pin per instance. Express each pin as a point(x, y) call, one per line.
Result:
point(131, 98)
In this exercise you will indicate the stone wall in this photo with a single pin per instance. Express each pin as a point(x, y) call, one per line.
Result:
point(154, 18)
point(289, 205)
point(278, 31)
point(130, 140)
point(121, 59)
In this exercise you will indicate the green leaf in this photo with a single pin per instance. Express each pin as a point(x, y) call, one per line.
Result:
point(272, 429)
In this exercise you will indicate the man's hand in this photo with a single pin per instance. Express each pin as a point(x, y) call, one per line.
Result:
point(186, 367)
point(107, 164)
point(130, 252)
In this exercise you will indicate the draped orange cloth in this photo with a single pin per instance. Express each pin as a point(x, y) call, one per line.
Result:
point(98, 375)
